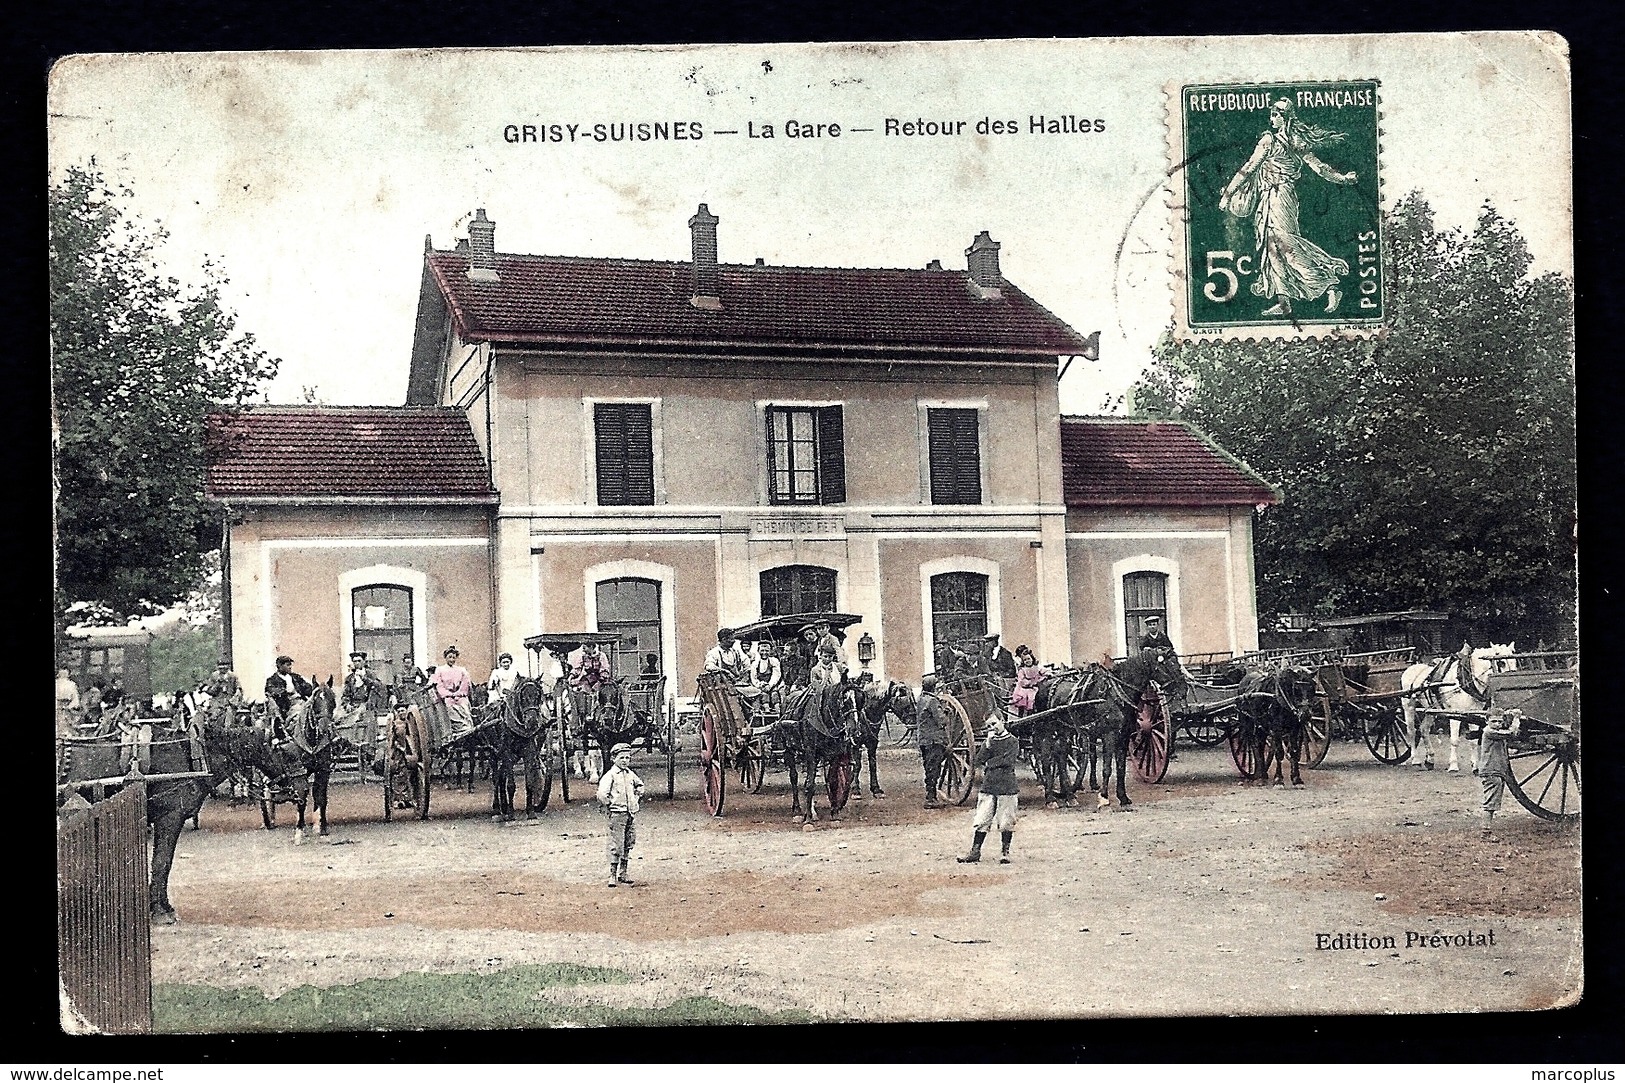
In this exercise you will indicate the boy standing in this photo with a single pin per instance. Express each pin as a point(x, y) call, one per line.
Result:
point(1492, 759)
point(996, 803)
point(620, 791)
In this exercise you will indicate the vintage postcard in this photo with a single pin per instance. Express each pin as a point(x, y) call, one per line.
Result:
point(817, 532)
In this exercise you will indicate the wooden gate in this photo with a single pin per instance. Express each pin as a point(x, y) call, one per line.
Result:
point(104, 935)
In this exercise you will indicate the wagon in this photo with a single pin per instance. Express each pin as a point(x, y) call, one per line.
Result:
point(575, 721)
point(1544, 756)
point(1360, 698)
point(736, 731)
point(970, 701)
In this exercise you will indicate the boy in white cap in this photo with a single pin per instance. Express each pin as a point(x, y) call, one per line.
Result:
point(620, 791)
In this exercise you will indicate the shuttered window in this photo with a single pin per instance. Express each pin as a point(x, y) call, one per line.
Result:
point(956, 456)
point(806, 455)
point(958, 610)
point(624, 434)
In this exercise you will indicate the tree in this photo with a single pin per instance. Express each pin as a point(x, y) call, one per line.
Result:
point(138, 361)
point(1432, 467)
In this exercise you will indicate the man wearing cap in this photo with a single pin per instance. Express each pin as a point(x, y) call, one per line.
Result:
point(223, 683)
point(1000, 662)
point(620, 791)
point(503, 679)
point(1154, 638)
point(451, 686)
point(282, 686)
point(727, 658)
point(932, 734)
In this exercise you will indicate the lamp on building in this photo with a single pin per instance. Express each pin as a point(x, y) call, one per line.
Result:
point(866, 650)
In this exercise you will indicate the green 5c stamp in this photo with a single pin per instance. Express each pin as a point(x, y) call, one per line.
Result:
point(1279, 233)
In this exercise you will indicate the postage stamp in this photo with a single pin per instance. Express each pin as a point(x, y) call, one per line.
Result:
point(1277, 220)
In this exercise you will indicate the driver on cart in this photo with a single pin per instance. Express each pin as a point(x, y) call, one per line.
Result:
point(767, 676)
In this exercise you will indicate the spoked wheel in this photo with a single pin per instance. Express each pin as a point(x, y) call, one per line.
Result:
point(752, 760)
point(1243, 752)
point(716, 780)
point(1148, 745)
point(1546, 780)
point(1385, 734)
point(1317, 735)
point(389, 788)
point(838, 775)
point(958, 774)
point(418, 764)
point(538, 802)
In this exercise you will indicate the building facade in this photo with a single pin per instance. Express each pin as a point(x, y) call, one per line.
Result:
point(666, 448)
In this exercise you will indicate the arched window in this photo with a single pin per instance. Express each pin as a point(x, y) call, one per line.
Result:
point(797, 588)
point(1145, 594)
point(631, 608)
point(958, 607)
point(381, 620)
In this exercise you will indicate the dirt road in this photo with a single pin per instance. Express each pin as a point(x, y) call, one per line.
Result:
point(1208, 897)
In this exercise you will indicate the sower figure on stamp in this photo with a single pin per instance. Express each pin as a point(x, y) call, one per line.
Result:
point(996, 802)
point(620, 791)
point(1265, 189)
point(932, 733)
point(1493, 767)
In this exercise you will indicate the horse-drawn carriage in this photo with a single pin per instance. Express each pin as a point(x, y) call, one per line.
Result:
point(1543, 756)
point(748, 733)
point(589, 721)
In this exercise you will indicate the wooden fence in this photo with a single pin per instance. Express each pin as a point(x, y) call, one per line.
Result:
point(104, 936)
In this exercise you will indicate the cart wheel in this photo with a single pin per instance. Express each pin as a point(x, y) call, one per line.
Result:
point(1385, 735)
point(958, 772)
point(419, 772)
point(1148, 745)
point(716, 779)
point(838, 776)
point(1546, 781)
point(1317, 735)
point(1243, 753)
point(539, 804)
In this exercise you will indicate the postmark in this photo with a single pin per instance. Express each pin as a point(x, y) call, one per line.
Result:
point(1277, 227)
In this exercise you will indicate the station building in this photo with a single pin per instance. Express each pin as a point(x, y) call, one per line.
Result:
point(665, 448)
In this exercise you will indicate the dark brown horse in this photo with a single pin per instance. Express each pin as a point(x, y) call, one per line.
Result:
point(310, 729)
point(875, 701)
point(198, 744)
point(515, 732)
point(819, 728)
point(1273, 715)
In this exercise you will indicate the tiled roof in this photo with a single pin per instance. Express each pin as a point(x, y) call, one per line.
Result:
point(562, 299)
point(1117, 461)
point(270, 452)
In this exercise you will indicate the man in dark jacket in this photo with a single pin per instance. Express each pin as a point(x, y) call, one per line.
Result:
point(932, 733)
point(1154, 637)
point(1000, 662)
point(996, 803)
point(284, 684)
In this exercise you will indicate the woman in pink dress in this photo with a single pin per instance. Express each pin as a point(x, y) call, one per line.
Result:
point(1029, 674)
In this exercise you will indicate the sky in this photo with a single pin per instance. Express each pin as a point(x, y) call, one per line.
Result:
point(313, 178)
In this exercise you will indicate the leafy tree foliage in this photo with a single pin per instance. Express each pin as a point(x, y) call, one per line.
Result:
point(1433, 467)
point(138, 360)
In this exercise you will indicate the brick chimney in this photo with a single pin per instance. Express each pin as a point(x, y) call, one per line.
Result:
point(703, 232)
point(482, 248)
point(982, 259)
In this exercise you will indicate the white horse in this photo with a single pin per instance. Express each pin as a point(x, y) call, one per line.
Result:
point(1464, 688)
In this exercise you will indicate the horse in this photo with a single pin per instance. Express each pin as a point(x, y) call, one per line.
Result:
point(515, 732)
point(874, 702)
point(1127, 691)
point(311, 729)
point(819, 727)
point(222, 749)
point(1462, 676)
point(1273, 715)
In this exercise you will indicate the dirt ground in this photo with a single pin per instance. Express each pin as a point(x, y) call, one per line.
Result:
point(1207, 897)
